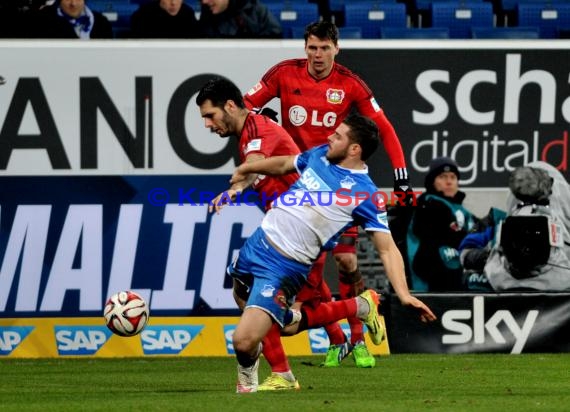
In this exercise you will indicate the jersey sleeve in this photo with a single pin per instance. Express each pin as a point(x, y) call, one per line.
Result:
point(367, 106)
point(265, 90)
point(302, 159)
point(371, 215)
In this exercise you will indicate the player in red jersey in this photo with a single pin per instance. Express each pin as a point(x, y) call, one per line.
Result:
point(224, 112)
point(316, 94)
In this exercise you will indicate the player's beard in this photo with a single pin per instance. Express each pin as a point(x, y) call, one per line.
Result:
point(227, 125)
point(336, 158)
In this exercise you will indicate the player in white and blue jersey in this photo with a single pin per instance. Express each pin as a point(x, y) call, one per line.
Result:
point(333, 193)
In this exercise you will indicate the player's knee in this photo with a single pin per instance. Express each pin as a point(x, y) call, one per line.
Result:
point(245, 344)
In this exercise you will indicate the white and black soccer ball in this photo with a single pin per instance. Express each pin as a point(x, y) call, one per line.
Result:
point(126, 313)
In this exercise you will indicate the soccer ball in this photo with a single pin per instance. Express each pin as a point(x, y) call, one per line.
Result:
point(126, 313)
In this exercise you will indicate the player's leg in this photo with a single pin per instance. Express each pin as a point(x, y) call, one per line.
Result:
point(364, 307)
point(281, 378)
point(339, 345)
point(252, 327)
point(270, 282)
point(350, 285)
point(281, 375)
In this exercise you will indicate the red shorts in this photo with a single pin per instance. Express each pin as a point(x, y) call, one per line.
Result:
point(347, 241)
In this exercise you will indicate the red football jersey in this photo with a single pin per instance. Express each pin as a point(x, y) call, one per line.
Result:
point(264, 136)
point(311, 109)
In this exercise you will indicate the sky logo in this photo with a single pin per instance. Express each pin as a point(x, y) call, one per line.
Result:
point(80, 340)
point(11, 337)
point(229, 335)
point(168, 339)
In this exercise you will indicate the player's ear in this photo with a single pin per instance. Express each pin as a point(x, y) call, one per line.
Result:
point(230, 105)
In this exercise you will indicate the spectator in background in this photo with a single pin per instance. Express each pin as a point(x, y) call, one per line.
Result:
point(238, 19)
point(438, 226)
point(164, 19)
point(70, 19)
point(11, 14)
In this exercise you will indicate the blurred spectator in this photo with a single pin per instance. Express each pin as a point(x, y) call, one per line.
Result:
point(438, 226)
point(10, 18)
point(239, 19)
point(164, 19)
point(70, 19)
point(529, 249)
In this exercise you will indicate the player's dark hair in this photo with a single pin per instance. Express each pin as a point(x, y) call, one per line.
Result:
point(323, 30)
point(363, 132)
point(219, 90)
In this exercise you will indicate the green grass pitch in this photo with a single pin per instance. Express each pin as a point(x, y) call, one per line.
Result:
point(529, 382)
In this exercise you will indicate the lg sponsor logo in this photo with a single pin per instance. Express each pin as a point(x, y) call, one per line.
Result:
point(470, 326)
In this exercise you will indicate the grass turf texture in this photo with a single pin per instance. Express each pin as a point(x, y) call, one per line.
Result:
point(530, 382)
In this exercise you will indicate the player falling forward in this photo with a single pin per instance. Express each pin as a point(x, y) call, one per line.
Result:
point(316, 94)
point(275, 261)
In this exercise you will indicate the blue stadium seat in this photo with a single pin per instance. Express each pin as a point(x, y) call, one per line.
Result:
point(371, 16)
point(508, 9)
point(421, 10)
point(350, 32)
point(414, 33)
point(293, 14)
point(505, 33)
point(298, 32)
point(549, 18)
point(118, 13)
point(344, 32)
point(460, 17)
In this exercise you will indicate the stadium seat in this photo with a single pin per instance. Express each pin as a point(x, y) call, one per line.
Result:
point(293, 14)
point(505, 33)
point(421, 11)
point(350, 32)
point(414, 33)
point(118, 13)
point(460, 17)
point(507, 9)
point(370, 16)
point(549, 18)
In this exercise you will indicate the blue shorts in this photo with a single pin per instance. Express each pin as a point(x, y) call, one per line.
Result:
point(273, 280)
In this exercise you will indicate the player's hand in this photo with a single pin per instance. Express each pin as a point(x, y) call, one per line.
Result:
point(426, 315)
point(221, 200)
point(402, 187)
point(238, 177)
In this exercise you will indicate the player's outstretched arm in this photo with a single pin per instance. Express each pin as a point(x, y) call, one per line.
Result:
point(231, 194)
point(273, 166)
point(394, 266)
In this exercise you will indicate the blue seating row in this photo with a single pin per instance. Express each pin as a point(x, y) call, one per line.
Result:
point(370, 19)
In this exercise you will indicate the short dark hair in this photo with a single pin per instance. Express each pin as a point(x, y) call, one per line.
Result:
point(219, 90)
point(364, 132)
point(322, 30)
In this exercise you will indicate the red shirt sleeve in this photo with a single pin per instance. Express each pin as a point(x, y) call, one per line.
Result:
point(368, 107)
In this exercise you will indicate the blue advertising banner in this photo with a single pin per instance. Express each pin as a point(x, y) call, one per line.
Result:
point(68, 243)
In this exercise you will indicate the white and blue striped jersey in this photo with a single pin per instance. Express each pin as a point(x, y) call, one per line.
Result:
point(323, 203)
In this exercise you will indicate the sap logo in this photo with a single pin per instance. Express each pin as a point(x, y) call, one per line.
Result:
point(11, 337)
point(319, 340)
point(80, 340)
point(229, 336)
point(168, 340)
point(452, 321)
point(312, 181)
